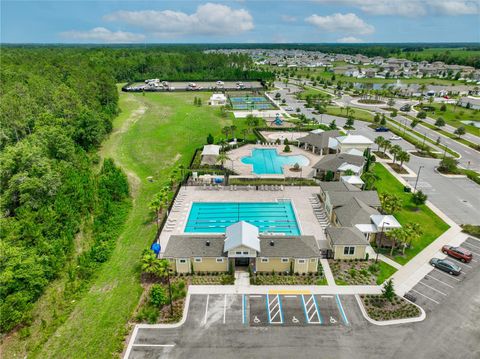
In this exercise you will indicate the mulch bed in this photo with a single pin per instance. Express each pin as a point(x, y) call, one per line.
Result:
point(348, 272)
point(382, 155)
point(396, 167)
point(379, 308)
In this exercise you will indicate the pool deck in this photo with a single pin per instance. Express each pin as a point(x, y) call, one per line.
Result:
point(299, 196)
point(237, 154)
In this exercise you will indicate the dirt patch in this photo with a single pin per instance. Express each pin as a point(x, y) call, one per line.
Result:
point(396, 167)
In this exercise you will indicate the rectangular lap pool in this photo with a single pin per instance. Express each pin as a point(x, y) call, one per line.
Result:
point(214, 217)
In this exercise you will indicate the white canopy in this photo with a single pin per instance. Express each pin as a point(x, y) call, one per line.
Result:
point(211, 150)
point(242, 234)
point(366, 228)
point(384, 222)
point(354, 152)
point(347, 166)
point(355, 180)
point(354, 140)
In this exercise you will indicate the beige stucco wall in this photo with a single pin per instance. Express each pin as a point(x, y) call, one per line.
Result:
point(210, 265)
point(182, 267)
point(359, 252)
point(273, 264)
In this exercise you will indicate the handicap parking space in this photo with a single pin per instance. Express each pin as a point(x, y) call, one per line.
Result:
point(435, 286)
point(296, 309)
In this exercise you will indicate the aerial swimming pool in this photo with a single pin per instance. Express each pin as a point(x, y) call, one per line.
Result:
point(271, 217)
point(267, 161)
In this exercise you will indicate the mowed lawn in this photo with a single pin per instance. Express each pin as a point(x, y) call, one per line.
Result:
point(357, 114)
point(432, 226)
point(454, 115)
point(152, 134)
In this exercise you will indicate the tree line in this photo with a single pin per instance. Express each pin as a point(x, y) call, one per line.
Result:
point(56, 107)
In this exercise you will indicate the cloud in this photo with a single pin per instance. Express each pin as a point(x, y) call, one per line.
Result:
point(209, 19)
point(350, 40)
point(343, 23)
point(101, 34)
point(411, 8)
point(288, 18)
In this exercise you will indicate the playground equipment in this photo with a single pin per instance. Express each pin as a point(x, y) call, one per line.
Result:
point(278, 121)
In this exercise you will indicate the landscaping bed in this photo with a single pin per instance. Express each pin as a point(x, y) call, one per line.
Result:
point(382, 155)
point(397, 168)
point(360, 272)
point(371, 102)
point(210, 279)
point(471, 229)
point(379, 308)
point(287, 279)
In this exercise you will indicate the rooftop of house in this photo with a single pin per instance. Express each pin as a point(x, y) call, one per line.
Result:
point(354, 140)
point(320, 140)
point(332, 162)
point(354, 212)
point(336, 186)
point(370, 198)
point(345, 236)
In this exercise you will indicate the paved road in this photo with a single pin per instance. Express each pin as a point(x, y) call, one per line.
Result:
point(216, 327)
point(458, 198)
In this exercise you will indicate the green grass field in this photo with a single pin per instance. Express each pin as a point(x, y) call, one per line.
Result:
point(152, 134)
point(432, 226)
point(358, 114)
point(313, 92)
point(386, 271)
point(454, 115)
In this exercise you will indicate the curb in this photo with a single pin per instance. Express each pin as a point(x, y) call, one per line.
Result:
point(448, 176)
point(421, 318)
point(156, 326)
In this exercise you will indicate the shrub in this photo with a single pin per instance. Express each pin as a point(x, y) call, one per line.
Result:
point(419, 198)
point(287, 148)
point(158, 295)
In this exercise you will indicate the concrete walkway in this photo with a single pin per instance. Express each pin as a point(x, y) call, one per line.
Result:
point(327, 271)
point(389, 261)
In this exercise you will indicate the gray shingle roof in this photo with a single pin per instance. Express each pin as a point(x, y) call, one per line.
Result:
point(194, 246)
point(289, 246)
point(338, 186)
point(370, 198)
point(319, 140)
point(354, 212)
point(346, 236)
point(332, 162)
point(187, 246)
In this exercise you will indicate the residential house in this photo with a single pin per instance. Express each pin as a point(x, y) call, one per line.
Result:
point(337, 164)
point(320, 142)
point(346, 243)
point(470, 102)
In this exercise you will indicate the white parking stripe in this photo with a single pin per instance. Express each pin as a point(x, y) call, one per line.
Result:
point(470, 244)
point(206, 310)
point(438, 280)
point(477, 254)
point(224, 308)
point(448, 275)
point(436, 290)
point(466, 265)
point(423, 295)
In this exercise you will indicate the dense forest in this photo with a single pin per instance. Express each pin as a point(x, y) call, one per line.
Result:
point(56, 106)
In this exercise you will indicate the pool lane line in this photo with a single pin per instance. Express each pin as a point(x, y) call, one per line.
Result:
point(342, 312)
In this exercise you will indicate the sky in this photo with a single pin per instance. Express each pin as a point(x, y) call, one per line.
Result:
point(240, 21)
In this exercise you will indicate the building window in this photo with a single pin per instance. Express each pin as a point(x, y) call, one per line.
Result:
point(300, 261)
point(219, 260)
point(198, 260)
point(264, 260)
point(349, 250)
point(238, 253)
point(284, 260)
point(245, 253)
point(182, 261)
point(312, 260)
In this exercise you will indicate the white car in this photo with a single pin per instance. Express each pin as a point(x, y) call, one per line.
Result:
point(289, 109)
point(395, 138)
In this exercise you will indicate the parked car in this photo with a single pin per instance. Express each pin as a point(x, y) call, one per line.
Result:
point(459, 253)
point(381, 129)
point(405, 108)
point(289, 109)
point(395, 138)
point(446, 266)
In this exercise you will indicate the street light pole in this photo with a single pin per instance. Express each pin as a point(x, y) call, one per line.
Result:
point(418, 176)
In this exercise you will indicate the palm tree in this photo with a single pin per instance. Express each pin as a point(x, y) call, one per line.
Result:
point(379, 142)
point(369, 178)
point(160, 202)
point(226, 132)
point(395, 150)
point(245, 132)
point(414, 231)
point(397, 235)
point(149, 262)
point(233, 128)
point(222, 158)
point(386, 145)
point(403, 156)
point(391, 203)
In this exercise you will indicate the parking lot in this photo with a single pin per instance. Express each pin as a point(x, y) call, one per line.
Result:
point(435, 286)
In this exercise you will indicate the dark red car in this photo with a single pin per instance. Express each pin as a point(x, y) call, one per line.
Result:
point(459, 253)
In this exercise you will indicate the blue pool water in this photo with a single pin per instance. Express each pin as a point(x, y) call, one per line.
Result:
point(214, 217)
point(267, 161)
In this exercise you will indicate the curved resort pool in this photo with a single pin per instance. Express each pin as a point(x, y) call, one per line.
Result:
point(268, 161)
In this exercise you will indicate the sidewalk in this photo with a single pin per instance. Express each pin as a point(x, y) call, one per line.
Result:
point(327, 271)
